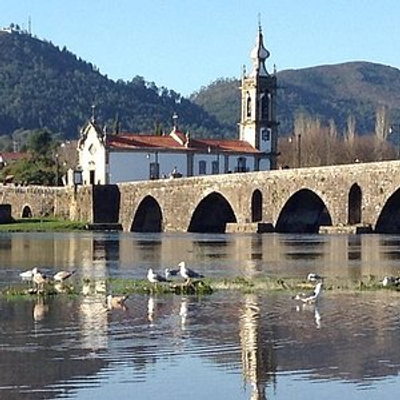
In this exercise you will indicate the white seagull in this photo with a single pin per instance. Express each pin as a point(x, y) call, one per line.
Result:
point(390, 281)
point(61, 276)
point(29, 273)
point(311, 277)
point(153, 277)
point(39, 279)
point(310, 298)
point(187, 273)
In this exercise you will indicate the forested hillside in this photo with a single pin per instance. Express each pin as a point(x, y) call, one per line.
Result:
point(44, 86)
point(330, 92)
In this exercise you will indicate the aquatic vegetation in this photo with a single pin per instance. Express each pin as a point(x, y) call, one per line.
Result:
point(127, 286)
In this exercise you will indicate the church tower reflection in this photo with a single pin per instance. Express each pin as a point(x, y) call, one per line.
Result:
point(258, 361)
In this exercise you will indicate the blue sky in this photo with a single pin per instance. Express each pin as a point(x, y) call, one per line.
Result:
point(184, 45)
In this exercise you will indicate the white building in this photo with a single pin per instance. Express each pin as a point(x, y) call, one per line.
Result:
point(124, 157)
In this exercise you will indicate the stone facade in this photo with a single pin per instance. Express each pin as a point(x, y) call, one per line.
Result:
point(176, 202)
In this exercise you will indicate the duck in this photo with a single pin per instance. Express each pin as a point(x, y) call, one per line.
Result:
point(153, 277)
point(61, 276)
point(312, 297)
point(116, 301)
point(187, 273)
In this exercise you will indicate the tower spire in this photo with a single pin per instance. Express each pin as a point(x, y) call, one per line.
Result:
point(259, 54)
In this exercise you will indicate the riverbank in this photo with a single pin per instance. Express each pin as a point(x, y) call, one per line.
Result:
point(42, 225)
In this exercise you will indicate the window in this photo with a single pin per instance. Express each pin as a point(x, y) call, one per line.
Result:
point(202, 167)
point(241, 165)
point(248, 106)
point(154, 170)
point(265, 134)
point(215, 167)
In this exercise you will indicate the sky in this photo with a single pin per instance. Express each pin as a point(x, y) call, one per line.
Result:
point(184, 45)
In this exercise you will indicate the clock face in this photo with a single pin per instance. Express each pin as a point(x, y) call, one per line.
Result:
point(265, 135)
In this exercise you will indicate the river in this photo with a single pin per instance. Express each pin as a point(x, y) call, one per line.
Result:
point(227, 345)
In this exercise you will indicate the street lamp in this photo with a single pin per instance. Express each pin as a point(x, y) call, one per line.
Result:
point(395, 128)
point(56, 175)
point(299, 150)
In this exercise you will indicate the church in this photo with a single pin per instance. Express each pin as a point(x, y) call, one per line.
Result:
point(126, 157)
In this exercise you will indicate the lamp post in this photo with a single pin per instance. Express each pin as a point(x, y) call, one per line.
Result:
point(395, 128)
point(56, 175)
point(299, 150)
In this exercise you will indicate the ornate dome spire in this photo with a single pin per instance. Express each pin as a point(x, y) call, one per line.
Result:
point(259, 54)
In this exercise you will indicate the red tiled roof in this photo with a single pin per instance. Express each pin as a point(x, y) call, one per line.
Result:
point(12, 156)
point(130, 141)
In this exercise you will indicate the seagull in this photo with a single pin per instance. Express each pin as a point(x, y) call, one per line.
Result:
point(390, 281)
point(170, 272)
point(28, 274)
point(311, 277)
point(310, 298)
point(116, 301)
point(61, 276)
point(39, 279)
point(153, 277)
point(187, 273)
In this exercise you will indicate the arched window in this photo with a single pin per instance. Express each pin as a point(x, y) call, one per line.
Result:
point(248, 106)
point(264, 106)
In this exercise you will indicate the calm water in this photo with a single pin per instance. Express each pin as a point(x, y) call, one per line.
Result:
point(223, 346)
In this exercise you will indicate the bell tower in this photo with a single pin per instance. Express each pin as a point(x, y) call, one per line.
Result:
point(258, 122)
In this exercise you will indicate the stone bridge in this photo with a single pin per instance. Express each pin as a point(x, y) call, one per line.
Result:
point(292, 200)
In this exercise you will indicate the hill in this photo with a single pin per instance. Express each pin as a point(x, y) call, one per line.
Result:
point(324, 92)
point(44, 86)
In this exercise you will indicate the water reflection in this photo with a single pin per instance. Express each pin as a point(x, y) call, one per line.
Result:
point(222, 340)
point(258, 362)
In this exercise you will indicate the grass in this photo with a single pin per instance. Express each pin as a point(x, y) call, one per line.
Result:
point(200, 287)
point(42, 225)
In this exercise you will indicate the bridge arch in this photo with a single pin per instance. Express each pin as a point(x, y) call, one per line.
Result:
point(27, 211)
point(389, 218)
point(304, 212)
point(354, 205)
point(212, 214)
point(148, 216)
point(256, 206)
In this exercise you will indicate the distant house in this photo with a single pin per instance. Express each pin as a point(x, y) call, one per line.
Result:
point(6, 158)
point(106, 158)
